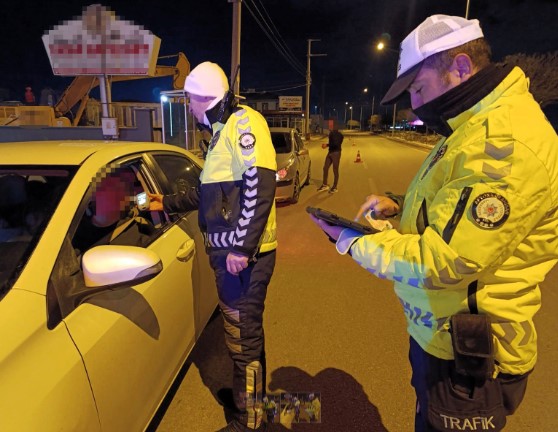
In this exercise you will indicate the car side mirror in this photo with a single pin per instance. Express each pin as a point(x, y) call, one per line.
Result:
point(112, 265)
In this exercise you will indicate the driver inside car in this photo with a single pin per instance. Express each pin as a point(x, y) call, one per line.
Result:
point(111, 217)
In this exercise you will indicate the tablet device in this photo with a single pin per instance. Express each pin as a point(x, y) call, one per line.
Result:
point(334, 219)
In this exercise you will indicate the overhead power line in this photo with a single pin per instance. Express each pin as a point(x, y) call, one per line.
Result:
point(265, 22)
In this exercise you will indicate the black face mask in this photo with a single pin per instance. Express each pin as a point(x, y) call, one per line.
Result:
point(459, 99)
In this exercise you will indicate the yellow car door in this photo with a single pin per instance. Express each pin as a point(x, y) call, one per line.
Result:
point(134, 340)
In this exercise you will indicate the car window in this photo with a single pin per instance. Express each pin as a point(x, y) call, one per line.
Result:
point(107, 214)
point(282, 142)
point(296, 143)
point(110, 214)
point(181, 173)
point(29, 196)
point(299, 142)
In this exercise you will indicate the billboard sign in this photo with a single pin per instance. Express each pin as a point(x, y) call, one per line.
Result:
point(100, 43)
point(290, 102)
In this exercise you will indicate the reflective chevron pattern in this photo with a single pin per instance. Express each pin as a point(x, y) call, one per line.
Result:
point(250, 180)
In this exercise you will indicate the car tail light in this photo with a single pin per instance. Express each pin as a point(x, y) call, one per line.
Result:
point(281, 174)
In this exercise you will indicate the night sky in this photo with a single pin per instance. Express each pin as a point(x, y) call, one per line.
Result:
point(348, 30)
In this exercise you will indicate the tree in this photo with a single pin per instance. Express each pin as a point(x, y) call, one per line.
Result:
point(541, 69)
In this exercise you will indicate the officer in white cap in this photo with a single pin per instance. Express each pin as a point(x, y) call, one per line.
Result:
point(477, 232)
point(236, 201)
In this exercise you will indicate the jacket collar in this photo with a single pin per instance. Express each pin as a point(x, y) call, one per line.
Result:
point(441, 113)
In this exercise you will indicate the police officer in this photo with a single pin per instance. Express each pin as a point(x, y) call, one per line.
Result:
point(236, 200)
point(477, 232)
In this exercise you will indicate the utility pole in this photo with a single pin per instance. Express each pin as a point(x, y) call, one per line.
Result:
point(308, 83)
point(235, 51)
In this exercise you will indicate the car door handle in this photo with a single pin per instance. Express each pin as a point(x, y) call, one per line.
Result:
point(186, 251)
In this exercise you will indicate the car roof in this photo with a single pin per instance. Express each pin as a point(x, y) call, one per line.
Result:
point(71, 152)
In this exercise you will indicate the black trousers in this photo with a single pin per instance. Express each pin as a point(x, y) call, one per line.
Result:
point(448, 401)
point(332, 159)
point(241, 299)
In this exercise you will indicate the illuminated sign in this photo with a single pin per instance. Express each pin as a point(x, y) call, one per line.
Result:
point(99, 43)
point(290, 102)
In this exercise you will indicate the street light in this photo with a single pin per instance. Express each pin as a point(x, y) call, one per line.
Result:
point(351, 109)
point(345, 121)
point(381, 47)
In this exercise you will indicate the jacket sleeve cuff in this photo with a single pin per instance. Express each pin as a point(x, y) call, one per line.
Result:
point(346, 240)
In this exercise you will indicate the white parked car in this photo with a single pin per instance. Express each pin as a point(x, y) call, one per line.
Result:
point(293, 163)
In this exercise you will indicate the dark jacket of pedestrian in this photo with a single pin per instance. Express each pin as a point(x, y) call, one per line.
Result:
point(335, 141)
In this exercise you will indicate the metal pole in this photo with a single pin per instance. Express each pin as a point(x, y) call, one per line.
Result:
point(235, 52)
point(105, 94)
point(393, 125)
point(372, 113)
point(467, 11)
point(360, 117)
point(308, 83)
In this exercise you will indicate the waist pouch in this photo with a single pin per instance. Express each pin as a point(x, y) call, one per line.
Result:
point(471, 337)
point(457, 402)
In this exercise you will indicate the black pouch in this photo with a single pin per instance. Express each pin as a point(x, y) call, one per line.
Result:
point(471, 336)
point(458, 402)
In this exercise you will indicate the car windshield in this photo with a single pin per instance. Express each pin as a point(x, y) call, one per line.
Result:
point(28, 197)
point(282, 142)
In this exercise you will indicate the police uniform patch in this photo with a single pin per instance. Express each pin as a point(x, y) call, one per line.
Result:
point(247, 141)
point(490, 210)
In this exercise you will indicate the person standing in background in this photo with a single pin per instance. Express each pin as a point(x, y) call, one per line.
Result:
point(29, 96)
point(333, 157)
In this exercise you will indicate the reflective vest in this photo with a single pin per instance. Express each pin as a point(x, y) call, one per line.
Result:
point(238, 185)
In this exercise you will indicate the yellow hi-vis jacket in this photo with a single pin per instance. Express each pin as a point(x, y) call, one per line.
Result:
point(236, 197)
point(237, 202)
point(483, 207)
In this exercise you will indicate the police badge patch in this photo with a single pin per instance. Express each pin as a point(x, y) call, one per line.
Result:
point(490, 210)
point(247, 141)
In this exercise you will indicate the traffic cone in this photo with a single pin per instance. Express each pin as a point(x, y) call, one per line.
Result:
point(358, 159)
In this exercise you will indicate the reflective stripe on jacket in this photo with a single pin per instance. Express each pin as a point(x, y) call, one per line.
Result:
point(483, 207)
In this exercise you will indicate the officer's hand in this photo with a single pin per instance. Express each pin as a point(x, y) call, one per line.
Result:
point(236, 263)
point(382, 206)
point(332, 231)
point(155, 202)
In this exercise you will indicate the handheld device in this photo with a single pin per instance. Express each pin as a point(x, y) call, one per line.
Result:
point(335, 219)
point(142, 201)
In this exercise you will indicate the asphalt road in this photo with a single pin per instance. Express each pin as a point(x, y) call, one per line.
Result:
point(334, 329)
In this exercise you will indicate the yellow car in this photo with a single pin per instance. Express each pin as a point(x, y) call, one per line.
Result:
point(97, 316)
